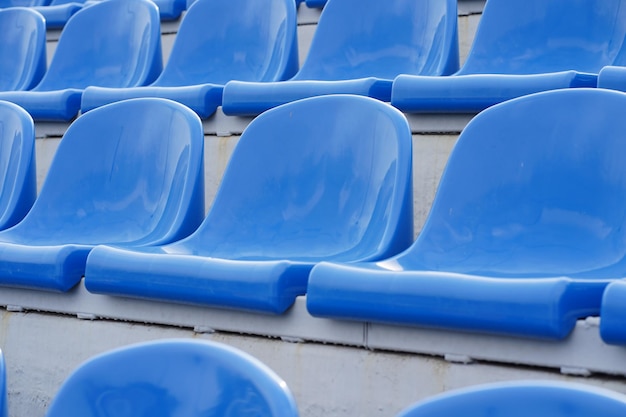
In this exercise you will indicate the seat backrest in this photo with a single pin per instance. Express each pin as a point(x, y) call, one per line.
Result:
point(537, 36)
point(59, 2)
point(22, 48)
point(131, 171)
point(521, 399)
point(23, 3)
point(113, 43)
point(325, 177)
point(181, 377)
point(18, 178)
point(534, 185)
point(170, 9)
point(223, 40)
point(370, 38)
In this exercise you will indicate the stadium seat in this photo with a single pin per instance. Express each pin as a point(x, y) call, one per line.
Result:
point(58, 12)
point(173, 377)
point(522, 398)
point(170, 9)
point(522, 47)
point(321, 178)
point(613, 313)
point(218, 41)
point(18, 177)
point(22, 49)
point(526, 229)
point(22, 3)
point(113, 43)
point(129, 173)
point(361, 53)
point(316, 3)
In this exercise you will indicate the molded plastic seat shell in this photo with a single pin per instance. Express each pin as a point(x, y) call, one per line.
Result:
point(359, 47)
point(613, 313)
point(113, 43)
point(58, 12)
point(526, 229)
point(22, 49)
point(521, 399)
point(18, 176)
point(170, 9)
point(522, 47)
point(130, 173)
point(22, 3)
point(316, 3)
point(218, 41)
point(173, 377)
point(321, 178)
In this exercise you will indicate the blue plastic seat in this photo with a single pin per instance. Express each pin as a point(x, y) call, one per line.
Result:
point(359, 47)
point(319, 4)
point(218, 41)
point(526, 229)
point(18, 177)
point(22, 49)
point(113, 43)
point(58, 12)
point(173, 377)
point(321, 178)
point(613, 313)
point(522, 399)
point(170, 9)
point(522, 47)
point(129, 173)
point(22, 3)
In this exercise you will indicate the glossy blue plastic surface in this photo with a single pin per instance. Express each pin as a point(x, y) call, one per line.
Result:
point(523, 399)
point(22, 49)
point(522, 47)
point(112, 43)
point(173, 377)
point(316, 3)
point(129, 173)
point(612, 77)
point(359, 47)
point(526, 229)
point(58, 12)
point(218, 41)
point(170, 9)
point(18, 177)
point(613, 313)
point(321, 178)
point(22, 3)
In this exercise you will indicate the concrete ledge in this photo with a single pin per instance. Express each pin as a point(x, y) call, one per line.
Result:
point(583, 353)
